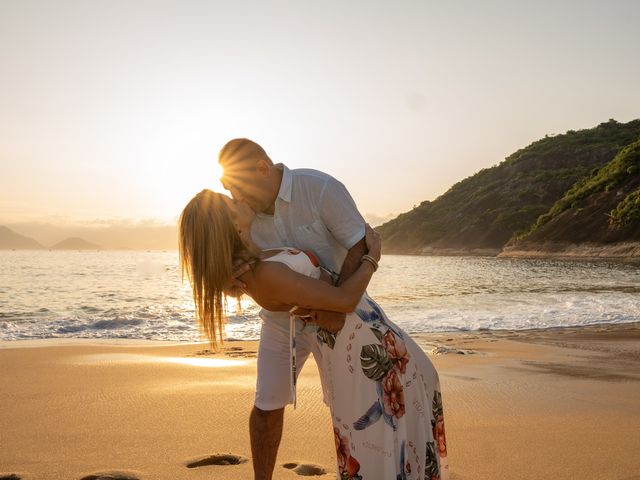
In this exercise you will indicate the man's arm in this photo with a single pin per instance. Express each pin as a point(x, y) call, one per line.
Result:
point(352, 260)
point(340, 215)
point(276, 286)
point(334, 321)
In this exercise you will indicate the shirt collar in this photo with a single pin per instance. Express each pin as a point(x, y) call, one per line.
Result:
point(285, 184)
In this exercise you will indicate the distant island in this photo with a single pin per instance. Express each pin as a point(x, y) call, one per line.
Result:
point(111, 237)
point(570, 195)
point(10, 240)
point(75, 243)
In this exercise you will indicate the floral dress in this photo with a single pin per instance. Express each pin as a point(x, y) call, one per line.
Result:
point(384, 395)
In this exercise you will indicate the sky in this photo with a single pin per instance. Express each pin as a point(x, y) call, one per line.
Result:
point(114, 111)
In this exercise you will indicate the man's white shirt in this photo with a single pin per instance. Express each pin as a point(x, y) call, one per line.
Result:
point(313, 211)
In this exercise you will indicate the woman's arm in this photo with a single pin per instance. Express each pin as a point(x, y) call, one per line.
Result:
point(276, 287)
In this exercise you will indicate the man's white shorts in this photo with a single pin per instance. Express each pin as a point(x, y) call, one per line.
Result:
point(273, 386)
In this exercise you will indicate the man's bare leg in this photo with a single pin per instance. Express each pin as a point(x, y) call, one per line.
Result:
point(265, 430)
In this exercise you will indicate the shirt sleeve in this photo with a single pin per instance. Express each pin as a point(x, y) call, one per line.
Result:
point(340, 214)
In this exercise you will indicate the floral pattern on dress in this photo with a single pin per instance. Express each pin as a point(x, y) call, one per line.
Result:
point(393, 394)
point(397, 350)
point(384, 363)
point(404, 468)
point(437, 424)
point(431, 468)
point(348, 466)
point(326, 337)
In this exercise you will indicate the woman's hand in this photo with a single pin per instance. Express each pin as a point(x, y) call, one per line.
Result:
point(374, 243)
point(236, 287)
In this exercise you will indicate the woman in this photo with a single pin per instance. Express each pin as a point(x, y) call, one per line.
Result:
point(382, 389)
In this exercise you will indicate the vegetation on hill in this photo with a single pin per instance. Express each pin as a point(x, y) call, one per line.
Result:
point(624, 167)
point(603, 208)
point(627, 211)
point(488, 209)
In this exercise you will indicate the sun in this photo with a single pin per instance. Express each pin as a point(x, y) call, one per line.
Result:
point(217, 174)
point(170, 190)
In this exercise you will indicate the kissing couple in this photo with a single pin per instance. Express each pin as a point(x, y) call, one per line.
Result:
point(294, 241)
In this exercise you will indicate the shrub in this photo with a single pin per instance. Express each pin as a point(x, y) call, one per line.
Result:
point(627, 211)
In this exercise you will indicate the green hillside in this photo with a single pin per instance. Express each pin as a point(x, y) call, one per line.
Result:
point(485, 210)
point(601, 208)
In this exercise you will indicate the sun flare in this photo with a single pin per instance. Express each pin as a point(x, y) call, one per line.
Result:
point(217, 174)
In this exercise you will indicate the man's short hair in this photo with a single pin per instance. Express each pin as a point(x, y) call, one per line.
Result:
point(240, 150)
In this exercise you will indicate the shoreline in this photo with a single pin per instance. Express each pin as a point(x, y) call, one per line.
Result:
point(617, 252)
point(623, 251)
point(142, 343)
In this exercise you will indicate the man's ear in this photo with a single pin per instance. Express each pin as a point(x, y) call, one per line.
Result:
point(263, 167)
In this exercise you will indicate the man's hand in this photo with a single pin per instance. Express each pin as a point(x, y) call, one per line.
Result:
point(330, 321)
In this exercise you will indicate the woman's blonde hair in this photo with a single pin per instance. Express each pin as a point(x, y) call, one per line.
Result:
point(208, 245)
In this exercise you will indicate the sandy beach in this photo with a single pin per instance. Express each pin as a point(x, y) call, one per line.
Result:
point(556, 403)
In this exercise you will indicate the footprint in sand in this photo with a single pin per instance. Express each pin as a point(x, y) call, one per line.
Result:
point(201, 352)
point(229, 352)
point(305, 469)
point(217, 459)
point(240, 352)
point(111, 476)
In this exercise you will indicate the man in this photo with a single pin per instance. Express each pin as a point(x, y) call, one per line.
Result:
point(300, 208)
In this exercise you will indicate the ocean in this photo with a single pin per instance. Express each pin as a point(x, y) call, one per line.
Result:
point(140, 295)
